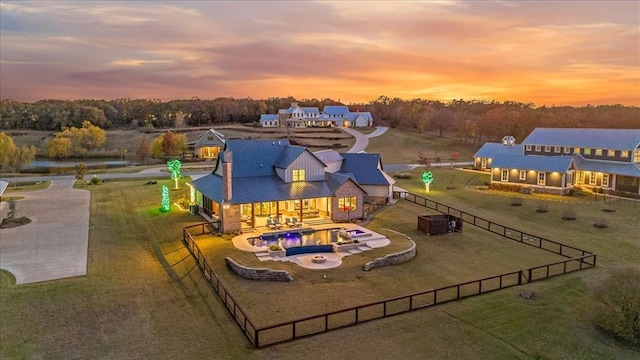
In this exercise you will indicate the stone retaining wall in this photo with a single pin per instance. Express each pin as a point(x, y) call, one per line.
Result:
point(258, 273)
point(392, 259)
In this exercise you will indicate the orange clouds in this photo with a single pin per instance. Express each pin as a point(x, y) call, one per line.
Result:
point(544, 52)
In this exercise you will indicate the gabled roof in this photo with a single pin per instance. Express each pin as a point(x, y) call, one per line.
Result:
point(268, 117)
point(364, 168)
point(217, 136)
point(560, 164)
point(3, 186)
point(335, 110)
point(328, 156)
point(252, 158)
point(490, 150)
point(335, 180)
point(288, 154)
point(610, 167)
point(620, 139)
point(354, 115)
point(309, 109)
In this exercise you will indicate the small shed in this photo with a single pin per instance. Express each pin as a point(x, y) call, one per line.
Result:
point(439, 224)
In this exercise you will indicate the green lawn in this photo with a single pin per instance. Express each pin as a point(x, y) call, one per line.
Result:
point(144, 297)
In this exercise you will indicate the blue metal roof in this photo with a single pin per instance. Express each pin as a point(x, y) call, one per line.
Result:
point(609, 167)
point(252, 158)
point(619, 139)
point(310, 110)
point(354, 115)
point(335, 110)
point(288, 154)
point(209, 185)
point(364, 168)
point(533, 162)
point(268, 117)
point(490, 150)
point(328, 156)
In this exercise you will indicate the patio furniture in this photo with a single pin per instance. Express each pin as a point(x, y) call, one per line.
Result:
point(271, 225)
point(295, 222)
point(276, 223)
point(289, 223)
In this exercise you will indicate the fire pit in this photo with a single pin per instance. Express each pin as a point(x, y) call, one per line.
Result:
point(318, 259)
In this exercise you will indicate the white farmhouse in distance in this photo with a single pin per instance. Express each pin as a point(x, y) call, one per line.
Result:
point(302, 117)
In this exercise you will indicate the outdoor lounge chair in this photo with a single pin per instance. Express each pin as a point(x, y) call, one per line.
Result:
point(289, 223)
point(276, 223)
point(295, 221)
point(270, 224)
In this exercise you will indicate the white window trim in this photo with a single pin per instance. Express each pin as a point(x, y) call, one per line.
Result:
point(556, 149)
point(611, 153)
point(523, 175)
point(502, 175)
point(567, 150)
point(605, 180)
point(483, 163)
point(542, 178)
point(593, 178)
point(538, 148)
point(547, 149)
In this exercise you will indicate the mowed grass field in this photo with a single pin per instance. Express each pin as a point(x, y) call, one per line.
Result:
point(144, 296)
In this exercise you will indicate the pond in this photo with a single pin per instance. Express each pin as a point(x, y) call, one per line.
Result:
point(62, 166)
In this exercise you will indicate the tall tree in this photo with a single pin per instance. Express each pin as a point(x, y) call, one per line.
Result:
point(21, 156)
point(169, 146)
point(6, 147)
point(143, 150)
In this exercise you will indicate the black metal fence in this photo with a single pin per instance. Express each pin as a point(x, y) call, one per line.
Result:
point(502, 230)
point(577, 259)
point(239, 315)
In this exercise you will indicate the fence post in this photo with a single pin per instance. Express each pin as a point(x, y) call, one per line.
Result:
point(530, 275)
point(520, 277)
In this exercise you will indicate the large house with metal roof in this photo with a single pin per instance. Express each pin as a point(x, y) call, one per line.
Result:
point(554, 160)
point(255, 180)
point(302, 117)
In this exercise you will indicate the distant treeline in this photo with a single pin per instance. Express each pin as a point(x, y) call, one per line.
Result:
point(466, 120)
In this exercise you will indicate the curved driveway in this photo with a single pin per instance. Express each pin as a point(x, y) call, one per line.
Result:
point(362, 140)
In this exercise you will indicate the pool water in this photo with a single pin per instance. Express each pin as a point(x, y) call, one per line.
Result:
point(296, 239)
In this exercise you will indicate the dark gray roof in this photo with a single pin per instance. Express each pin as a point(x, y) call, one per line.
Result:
point(533, 162)
point(288, 154)
point(490, 150)
point(328, 156)
point(364, 168)
point(620, 139)
point(609, 167)
point(252, 158)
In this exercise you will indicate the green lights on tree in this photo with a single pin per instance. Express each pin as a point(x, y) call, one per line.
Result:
point(427, 179)
point(174, 167)
point(166, 202)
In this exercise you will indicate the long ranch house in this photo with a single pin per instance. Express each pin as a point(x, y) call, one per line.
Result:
point(302, 117)
point(555, 160)
point(259, 179)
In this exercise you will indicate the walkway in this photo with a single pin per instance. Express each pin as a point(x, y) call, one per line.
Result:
point(362, 140)
point(54, 245)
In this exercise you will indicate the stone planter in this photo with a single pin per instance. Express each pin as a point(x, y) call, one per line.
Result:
point(278, 253)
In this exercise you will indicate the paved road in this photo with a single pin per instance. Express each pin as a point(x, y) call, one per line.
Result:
point(54, 245)
point(362, 140)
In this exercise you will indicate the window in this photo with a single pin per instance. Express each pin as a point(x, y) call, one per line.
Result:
point(505, 175)
point(483, 163)
point(347, 203)
point(523, 175)
point(605, 180)
point(598, 152)
point(587, 152)
point(576, 150)
point(528, 147)
point(624, 154)
point(298, 175)
point(538, 148)
point(592, 178)
point(581, 177)
point(611, 153)
point(570, 178)
point(542, 178)
point(556, 149)
point(636, 156)
point(210, 138)
point(567, 150)
point(547, 149)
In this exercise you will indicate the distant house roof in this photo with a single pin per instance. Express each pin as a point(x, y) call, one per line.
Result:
point(340, 110)
point(611, 167)
point(3, 186)
point(559, 164)
point(364, 168)
point(310, 110)
point(622, 139)
point(490, 150)
point(268, 117)
point(354, 115)
point(328, 156)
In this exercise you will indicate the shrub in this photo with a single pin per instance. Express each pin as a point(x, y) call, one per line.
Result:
point(516, 201)
point(617, 305)
point(402, 176)
point(274, 247)
point(95, 180)
point(569, 214)
point(542, 207)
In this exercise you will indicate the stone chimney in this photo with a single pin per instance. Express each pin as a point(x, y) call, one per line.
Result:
point(227, 168)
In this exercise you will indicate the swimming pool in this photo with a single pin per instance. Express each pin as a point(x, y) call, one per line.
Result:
point(295, 238)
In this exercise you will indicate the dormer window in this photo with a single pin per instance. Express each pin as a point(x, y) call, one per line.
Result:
point(576, 150)
point(611, 153)
point(587, 152)
point(556, 149)
point(547, 149)
point(299, 175)
point(598, 152)
point(538, 147)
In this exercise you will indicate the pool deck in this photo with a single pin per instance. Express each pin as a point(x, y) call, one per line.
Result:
point(333, 259)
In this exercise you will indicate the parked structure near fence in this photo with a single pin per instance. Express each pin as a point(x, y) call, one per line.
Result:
point(577, 259)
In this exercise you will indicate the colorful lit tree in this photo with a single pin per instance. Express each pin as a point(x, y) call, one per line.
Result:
point(166, 202)
point(174, 167)
point(427, 179)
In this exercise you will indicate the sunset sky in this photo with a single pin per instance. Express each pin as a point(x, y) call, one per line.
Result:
point(545, 52)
